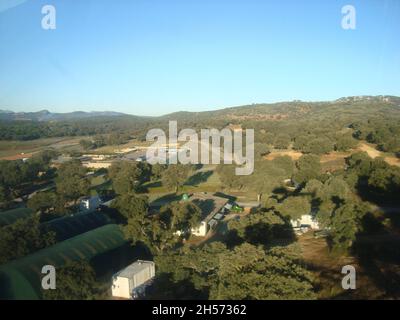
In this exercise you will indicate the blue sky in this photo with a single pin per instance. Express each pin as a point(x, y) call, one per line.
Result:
point(151, 57)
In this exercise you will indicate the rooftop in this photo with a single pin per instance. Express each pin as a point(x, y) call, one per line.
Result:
point(134, 268)
point(208, 203)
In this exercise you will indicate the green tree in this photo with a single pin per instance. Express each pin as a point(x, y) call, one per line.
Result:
point(44, 157)
point(261, 150)
point(99, 141)
point(391, 145)
point(157, 171)
point(4, 197)
point(187, 273)
point(86, 144)
point(328, 196)
point(260, 227)
point(344, 225)
point(272, 275)
point(117, 138)
point(229, 179)
point(22, 238)
point(161, 237)
point(153, 230)
point(282, 141)
point(334, 193)
point(268, 176)
point(360, 162)
point(176, 175)
point(71, 181)
point(182, 216)
point(134, 209)
point(76, 280)
point(127, 176)
point(11, 177)
point(157, 231)
point(295, 207)
point(301, 142)
point(319, 146)
point(312, 188)
point(42, 202)
point(246, 272)
point(308, 167)
point(132, 206)
point(345, 142)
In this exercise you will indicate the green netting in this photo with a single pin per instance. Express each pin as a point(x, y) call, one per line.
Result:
point(10, 216)
point(21, 279)
point(72, 226)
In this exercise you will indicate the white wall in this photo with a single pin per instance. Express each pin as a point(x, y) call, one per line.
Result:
point(201, 230)
point(120, 288)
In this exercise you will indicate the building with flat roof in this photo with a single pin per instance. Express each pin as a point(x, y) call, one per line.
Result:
point(130, 283)
point(210, 205)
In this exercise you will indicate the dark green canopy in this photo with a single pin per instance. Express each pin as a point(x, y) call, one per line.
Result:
point(21, 279)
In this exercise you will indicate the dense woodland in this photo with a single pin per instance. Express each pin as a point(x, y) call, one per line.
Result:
point(310, 127)
point(261, 247)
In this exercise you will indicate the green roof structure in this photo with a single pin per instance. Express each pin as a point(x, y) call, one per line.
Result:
point(21, 279)
point(11, 216)
point(71, 226)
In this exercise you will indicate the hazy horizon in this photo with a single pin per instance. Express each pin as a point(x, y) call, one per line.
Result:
point(195, 111)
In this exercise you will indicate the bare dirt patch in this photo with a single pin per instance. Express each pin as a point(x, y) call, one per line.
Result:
point(336, 160)
point(18, 156)
point(295, 155)
point(327, 267)
point(393, 161)
point(333, 156)
point(373, 153)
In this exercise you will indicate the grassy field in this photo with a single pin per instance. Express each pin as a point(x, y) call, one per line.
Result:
point(98, 183)
point(10, 150)
point(202, 180)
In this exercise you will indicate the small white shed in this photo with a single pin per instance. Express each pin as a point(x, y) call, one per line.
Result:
point(134, 276)
point(90, 203)
point(201, 230)
point(306, 220)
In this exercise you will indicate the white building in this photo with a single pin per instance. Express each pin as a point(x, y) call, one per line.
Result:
point(97, 165)
point(305, 221)
point(90, 203)
point(131, 282)
point(201, 230)
point(210, 205)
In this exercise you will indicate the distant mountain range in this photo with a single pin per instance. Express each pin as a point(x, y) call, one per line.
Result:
point(273, 109)
point(45, 115)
